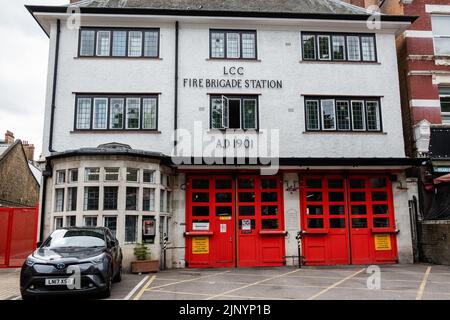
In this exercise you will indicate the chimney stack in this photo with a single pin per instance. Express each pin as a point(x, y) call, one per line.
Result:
point(9, 137)
point(29, 150)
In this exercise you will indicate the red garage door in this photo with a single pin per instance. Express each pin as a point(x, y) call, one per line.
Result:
point(234, 221)
point(18, 232)
point(348, 220)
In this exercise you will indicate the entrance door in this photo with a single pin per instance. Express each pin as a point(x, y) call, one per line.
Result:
point(347, 220)
point(234, 221)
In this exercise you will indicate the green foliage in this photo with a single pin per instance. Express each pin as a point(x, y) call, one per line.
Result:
point(142, 252)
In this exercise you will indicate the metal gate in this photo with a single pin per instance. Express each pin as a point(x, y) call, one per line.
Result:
point(18, 233)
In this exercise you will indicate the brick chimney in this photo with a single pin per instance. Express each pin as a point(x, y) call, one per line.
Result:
point(9, 137)
point(29, 150)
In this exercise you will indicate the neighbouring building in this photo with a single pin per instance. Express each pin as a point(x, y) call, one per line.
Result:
point(19, 175)
point(424, 72)
point(216, 131)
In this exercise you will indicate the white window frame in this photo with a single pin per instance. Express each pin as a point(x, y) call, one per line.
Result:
point(243, 114)
point(60, 173)
point(225, 112)
point(139, 113)
point(349, 115)
point(378, 115)
point(348, 48)
point(318, 114)
point(344, 58)
point(86, 217)
point(329, 47)
point(363, 114)
point(439, 36)
point(106, 173)
point(108, 53)
point(321, 114)
point(112, 103)
point(55, 224)
point(94, 126)
point(86, 174)
point(447, 114)
point(129, 43)
point(308, 36)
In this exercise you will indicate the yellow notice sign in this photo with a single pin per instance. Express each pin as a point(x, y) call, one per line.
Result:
point(383, 242)
point(200, 245)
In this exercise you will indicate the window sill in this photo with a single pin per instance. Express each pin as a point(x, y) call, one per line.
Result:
point(233, 59)
point(341, 62)
point(114, 131)
point(346, 132)
point(116, 58)
point(234, 131)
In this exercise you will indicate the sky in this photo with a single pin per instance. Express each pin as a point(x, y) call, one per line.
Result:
point(23, 71)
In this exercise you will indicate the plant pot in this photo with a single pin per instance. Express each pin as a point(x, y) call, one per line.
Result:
point(145, 266)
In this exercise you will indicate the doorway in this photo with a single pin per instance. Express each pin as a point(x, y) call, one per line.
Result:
point(234, 221)
point(347, 220)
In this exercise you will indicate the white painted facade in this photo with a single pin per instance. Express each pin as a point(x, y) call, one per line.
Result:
point(278, 57)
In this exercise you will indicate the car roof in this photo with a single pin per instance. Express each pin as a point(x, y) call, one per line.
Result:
point(84, 228)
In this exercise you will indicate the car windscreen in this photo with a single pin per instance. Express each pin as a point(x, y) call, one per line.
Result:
point(75, 238)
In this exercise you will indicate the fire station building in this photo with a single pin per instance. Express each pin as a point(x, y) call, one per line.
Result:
point(218, 131)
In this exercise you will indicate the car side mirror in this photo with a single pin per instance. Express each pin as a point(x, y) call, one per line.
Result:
point(38, 244)
point(111, 244)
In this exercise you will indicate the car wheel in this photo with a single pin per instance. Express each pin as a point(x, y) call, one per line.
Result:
point(107, 292)
point(118, 276)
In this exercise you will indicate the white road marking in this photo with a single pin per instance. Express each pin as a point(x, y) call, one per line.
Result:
point(128, 297)
point(423, 284)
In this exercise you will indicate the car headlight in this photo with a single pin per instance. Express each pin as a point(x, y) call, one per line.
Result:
point(97, 260)
point(29, 262)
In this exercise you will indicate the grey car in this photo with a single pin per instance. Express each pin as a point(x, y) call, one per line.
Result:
point(73, 261)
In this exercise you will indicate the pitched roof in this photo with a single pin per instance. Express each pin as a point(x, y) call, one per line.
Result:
point(288, 6)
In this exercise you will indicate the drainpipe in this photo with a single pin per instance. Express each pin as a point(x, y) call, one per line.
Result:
point(175, 121)
point(47, 172)
point(55, 78)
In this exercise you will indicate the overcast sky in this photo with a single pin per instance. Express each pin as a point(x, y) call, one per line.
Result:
point(23, 71)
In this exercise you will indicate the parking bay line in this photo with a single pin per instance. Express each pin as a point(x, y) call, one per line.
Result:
point(335, 284)
point(133, 291)
point(141, 292)
point(423, 284)
point(252, 284)
point(183, 281)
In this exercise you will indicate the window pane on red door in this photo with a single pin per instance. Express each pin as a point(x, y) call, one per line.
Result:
point(269, 210)
point(359, 209)
point(223, 184)
point(246, 197)
point(223, 197)
point(381, 222)
point(269, 224)
point(314, 183)
point(337, 223)
point(359, 223)
point(200, 197)
point(246, 210)
point(269, 196)
point(268, 183)
point(200, 184)
point(314, 210)
point(337, 209)
point(314, 196)
point(224, 211)
point(315, 223)
point(200, 211)
point(246, 183)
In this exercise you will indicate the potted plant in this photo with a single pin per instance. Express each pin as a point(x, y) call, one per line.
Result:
point(143, 263)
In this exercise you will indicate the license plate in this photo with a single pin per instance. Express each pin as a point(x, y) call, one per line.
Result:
point(59, 281)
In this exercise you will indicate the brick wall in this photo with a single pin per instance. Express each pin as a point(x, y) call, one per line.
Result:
point(17, 183)
point(434, 242)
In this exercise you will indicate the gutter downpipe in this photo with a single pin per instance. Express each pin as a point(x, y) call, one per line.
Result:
point(175, 121)
point(47, 171)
